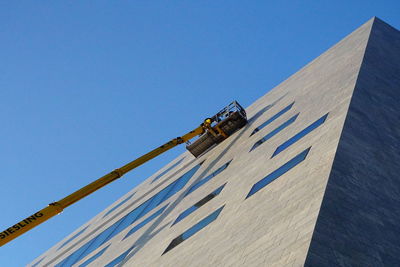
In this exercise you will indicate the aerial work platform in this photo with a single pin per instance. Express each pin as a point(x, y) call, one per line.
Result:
point(223, 124)
point(211, 132)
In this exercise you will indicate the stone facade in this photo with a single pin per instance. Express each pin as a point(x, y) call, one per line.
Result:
point(336, 207)
point(358, 221)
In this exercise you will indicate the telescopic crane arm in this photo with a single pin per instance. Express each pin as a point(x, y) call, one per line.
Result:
point(212, 131)
point(57, 207)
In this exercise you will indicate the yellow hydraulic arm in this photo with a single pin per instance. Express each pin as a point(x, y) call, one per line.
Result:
point(56, 207)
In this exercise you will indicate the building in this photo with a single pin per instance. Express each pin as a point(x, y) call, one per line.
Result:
point(313, 179)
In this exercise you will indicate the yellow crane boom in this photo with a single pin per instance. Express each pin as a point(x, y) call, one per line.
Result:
point(213, 133)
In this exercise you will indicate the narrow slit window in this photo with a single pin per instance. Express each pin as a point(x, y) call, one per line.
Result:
point(277, 115)
point(300, 135)
point(120, 258)
point(93, 258)
point(274, 132)
point(74, 257)
point(278, 172)
point(200, 203)
point(130, 218)
point(206, 179)
point(194, 229)
point(146, 221)
point(73, 237)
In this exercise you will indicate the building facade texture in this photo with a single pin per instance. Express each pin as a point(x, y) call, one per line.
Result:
point(313, 179)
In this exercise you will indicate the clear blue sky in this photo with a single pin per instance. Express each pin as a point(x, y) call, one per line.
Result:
point(86, 86)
